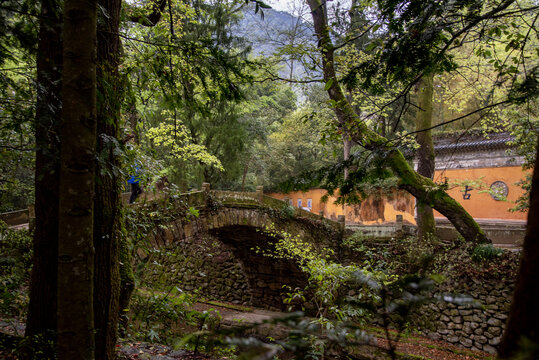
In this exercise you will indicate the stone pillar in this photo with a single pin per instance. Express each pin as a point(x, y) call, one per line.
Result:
point(205, 186)
point(342, 221)
point(399, 233)
point(260, 193)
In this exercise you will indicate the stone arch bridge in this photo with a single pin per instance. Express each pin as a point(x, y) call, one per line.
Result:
point(238, 220)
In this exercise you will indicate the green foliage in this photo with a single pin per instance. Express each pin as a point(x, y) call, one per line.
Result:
point(485, 252)
point(157, 315)
point(327, 279)
point(18, 39)
point(15, 266)
point(189, 83)
point(288, 211)
point(36, 347)
point(176, 142)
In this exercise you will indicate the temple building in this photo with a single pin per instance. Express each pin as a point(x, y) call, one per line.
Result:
point(482, 175)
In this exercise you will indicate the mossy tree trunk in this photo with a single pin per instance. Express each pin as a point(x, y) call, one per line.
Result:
point(107, 203)
point(425, 154)
point(42, 308)
point(77, 177)
point(127, 283)
point(417, 185)
point(521, 333)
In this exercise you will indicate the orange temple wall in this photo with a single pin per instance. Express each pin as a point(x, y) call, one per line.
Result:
point(384, 209)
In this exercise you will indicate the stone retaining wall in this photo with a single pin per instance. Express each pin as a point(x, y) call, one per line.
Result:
point(202, 264)
point(474, 326)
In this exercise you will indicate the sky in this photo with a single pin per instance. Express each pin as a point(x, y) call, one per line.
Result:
point(281, 5)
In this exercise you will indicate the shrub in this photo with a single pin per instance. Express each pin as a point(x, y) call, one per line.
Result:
point(485, 252)
point(15, 265)
point(288, 211)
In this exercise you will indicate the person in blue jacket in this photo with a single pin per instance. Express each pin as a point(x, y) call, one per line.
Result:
point(134, 180)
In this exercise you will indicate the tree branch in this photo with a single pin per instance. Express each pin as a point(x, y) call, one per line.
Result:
point(151, 19)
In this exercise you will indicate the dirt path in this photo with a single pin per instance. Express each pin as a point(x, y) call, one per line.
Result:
point(412, 347)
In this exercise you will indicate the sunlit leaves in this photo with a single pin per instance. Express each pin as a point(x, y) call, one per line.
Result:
point(172, 135)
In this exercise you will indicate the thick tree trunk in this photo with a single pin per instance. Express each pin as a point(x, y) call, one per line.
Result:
point(77, 172)
point(425, 154)
point(127, 283)
point(42, 308)
point(107, 218)
point(417, 185)
point(521, 335)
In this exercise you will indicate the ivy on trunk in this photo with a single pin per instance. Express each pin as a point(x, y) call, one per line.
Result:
point(419, 186)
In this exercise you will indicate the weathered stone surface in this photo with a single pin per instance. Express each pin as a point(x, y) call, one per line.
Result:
point(481, 339)
point(494, 330)
point(467, 342)
point(494, 322)
point(495, 341)
point(452, 339)
point(489, 349)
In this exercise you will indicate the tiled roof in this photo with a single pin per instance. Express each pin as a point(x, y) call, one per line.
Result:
point(476, 143)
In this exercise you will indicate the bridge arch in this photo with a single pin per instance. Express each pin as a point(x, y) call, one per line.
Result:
point(238, 220)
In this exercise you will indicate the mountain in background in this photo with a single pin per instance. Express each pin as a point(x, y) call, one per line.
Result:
point(277, 31)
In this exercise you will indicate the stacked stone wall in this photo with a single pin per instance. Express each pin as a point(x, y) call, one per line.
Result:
point(476, 326)
point(205, 265)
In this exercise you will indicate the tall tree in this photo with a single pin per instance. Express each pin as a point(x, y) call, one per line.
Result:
point(41, 318)
point(107, 203)
point(77, 177)
point(417, 185)
point(521, 336)
point(425, 154)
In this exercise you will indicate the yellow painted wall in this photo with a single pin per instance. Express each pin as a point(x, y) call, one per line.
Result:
point(483, 206)
point(378, 210)
point(374, 210)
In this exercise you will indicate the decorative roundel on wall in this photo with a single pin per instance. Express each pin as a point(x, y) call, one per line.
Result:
point(499, 190)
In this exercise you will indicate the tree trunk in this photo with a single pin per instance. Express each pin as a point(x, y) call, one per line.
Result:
point(77, 172)
point(127, 283)
point(347, 146)
point(417, 185)
point(521, 335)
point(425, 154)
point(42, 308)
point(107, 217)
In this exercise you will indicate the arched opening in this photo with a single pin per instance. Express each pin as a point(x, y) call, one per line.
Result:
point(266, 275)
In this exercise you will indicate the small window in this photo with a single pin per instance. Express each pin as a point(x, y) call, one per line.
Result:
point(310, 203)
point(299, 203)
point(290, 202)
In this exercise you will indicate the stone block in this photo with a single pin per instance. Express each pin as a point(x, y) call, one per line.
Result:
point(444, 318)
point(495, 330)
point(494, 322)
point(489, 349)
point(467, 342)
point(481, 339)
point(452, 339)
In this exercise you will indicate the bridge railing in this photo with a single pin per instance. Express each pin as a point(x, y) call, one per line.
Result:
point(256, 199)
point(13, 218)
point(236, 197)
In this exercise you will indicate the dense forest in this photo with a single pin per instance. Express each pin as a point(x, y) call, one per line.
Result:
point(172, 93)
